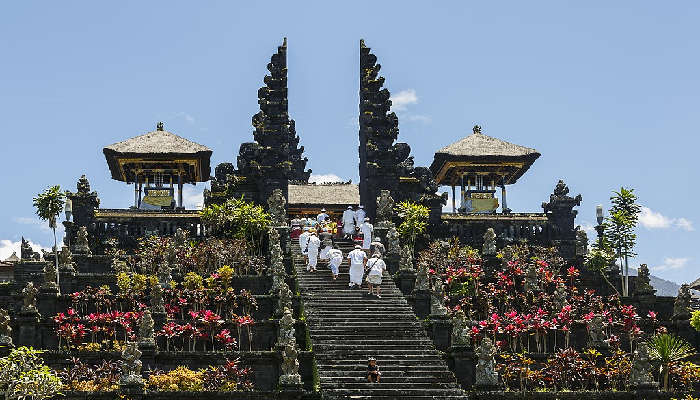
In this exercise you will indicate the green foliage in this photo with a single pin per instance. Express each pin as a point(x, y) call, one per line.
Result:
point(695, 320)
point(193, 281)
point(668, 349)
point(414, 220)
point(24, 375)
point(599, 258)
point(49, 204)
point(622, 221)
point(238, 219)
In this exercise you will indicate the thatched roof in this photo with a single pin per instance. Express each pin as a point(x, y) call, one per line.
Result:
point(157, 142)
point(479, 145)
point(695, 285)
point(324, 195)
point(12, 258)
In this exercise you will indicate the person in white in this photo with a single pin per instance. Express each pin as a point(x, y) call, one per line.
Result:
point(348, 222)
point(324, 255)
point(358, 260)
point(304, 240)
point(376, 267)
point(312, 252)
point(360, 215)
point(336, 258)
point(377, 247)
point(366, 228)
point(322, 217)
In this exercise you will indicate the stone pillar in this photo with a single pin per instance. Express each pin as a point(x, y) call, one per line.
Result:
point(504, 206)
point(28, 322)
point(440, 331)
point(462, 363)
point(179, 190)
point(454, 201)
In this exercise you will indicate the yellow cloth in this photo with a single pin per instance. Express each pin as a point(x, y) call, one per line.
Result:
point(162, 201)
point(482, 205)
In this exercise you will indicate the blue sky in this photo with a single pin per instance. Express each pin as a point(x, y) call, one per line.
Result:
point(608, 93)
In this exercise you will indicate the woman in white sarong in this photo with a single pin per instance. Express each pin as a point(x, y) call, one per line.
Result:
point(336, 258)
point(348, 222)
point(358, 259)
point(376, 267)
point(366, 228)
point(313, 247)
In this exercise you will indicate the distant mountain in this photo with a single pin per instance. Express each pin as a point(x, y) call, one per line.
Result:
point(662, 286)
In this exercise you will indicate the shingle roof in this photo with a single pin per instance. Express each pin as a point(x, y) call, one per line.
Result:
point(12, 258)
point(479, 145)
point(332, 194)
point(695, 285)
point(158, 141)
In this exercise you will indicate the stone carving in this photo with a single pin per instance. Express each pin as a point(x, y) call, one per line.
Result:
point(486, 374)
point(157, 303)
point(489, 247)
point(5, 328)
point(641, 373)
point(393, 246)
point(285, 298)
point(595, 332)
point(83, 185)
point(164, 274)
point(422, 277)
point(145, 336)
point(82, 244)
point(437, 299)
point(285, 334)
point(50, 277)
point(65, 259)
point(406, 261)
point(581, 242)
point(131, 370)
point(560, 296)
point(278, 271)
point(643, 283)
point(290, 365)
point(681, 307)
point(531, 279)
point(276, 207)
point(385, 206)
point(29, 298)
point(460, 330)
point(27, 253)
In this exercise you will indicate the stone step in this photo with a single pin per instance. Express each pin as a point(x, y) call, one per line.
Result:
point(387, 384)
point(395, 377)
point(333, 340)
point(376, 390)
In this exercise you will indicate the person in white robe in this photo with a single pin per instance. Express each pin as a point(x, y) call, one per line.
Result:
point(360, 215)
point(322, 217)
point(336, 258)
point(376, 268)
point(348, 222)
point(358, 260)
point(377, 247)
point(324, 255)
point(312, 252)
point(304, 240)
point(366, 228)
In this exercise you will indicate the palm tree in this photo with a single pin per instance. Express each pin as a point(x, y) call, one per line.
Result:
point(48, 206)
point(668, 349)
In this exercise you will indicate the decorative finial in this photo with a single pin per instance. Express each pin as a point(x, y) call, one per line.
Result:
point(362, 43)
point(159, 126)
point(284, 42)
point(476, 129)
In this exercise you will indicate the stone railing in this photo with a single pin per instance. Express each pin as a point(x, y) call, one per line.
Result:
point(509, 228)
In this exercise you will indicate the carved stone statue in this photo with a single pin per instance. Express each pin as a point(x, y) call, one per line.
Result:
point(290, 365)
point(581, 242)
point(164, 274)
point(50, 277)
point(489, 248)
point(82, 244)
point(643, 283)
point(180, 237)
point(286, 332)
point(83, 185)
point(486, 374)
point(131, 370)
point(406, 261)
point(5, 329)
point(681, 307)
point(437, 299)
point(422, 277)
point(285, 298)
point(641, 373)
point(145, 336)
point(595, 332)
point(531, 279)
point(65, 259)
point(385, 207)
point(560, 296)
point(29, 298)
point(392, 242)
point(25, 251)
point(460, 331)
point(157, 303)
point(278, 271)
point(276, 206)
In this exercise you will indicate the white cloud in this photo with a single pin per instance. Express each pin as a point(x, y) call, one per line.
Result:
point(7, 247)
point(187, 117)
point(325, 178)
point(400, 100)
point(419, 118)
point(651, 219)
point(192, 197)
point(671, 263)
point(589, 228)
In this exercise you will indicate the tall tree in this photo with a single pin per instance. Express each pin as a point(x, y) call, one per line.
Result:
point(620, 227)
point(48, 206)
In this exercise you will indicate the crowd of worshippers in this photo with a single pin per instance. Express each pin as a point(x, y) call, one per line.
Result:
point(317, 242)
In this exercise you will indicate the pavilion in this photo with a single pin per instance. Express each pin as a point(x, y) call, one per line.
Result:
point(478, 164)
point(154, 162)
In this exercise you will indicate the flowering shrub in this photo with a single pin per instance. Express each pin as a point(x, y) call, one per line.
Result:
point(91, 378)
point(228, 377)
point(24, 375)
point(103, 329)
point(203, 328)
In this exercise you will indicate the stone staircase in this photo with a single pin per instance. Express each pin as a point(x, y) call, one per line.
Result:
point(347, 326)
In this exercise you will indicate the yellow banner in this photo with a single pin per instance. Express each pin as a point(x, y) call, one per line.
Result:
point(483, 205)
point(161, 201)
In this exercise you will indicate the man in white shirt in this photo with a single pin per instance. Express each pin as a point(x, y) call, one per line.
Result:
point(348, 222)
point(312, 252)
point(358, 260)
point(366, 228)
point(303, 240)
point(336, 258)
point(376, 267)
point(322, 217)
point(360, 215)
